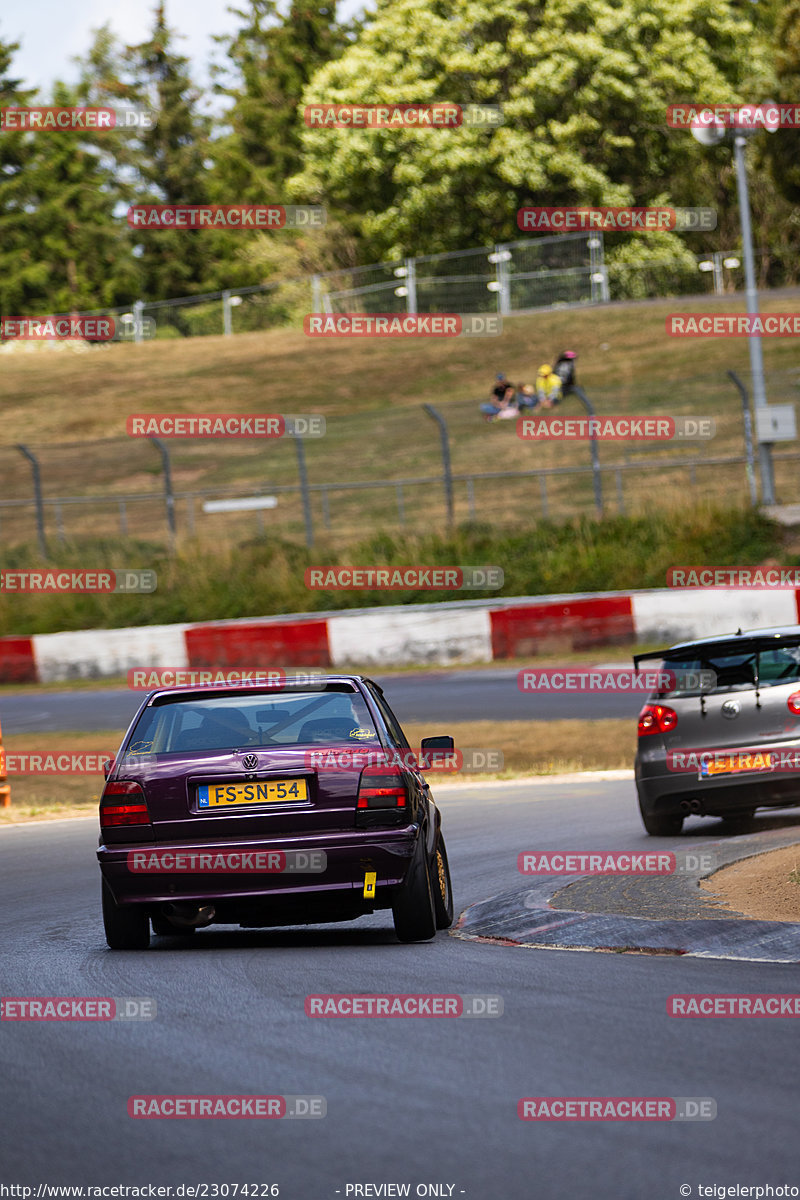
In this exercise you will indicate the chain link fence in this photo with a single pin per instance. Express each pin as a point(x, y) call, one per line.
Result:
point(531, 274)
point(116, 487)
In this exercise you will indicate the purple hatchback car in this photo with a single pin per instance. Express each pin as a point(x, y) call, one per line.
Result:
point(266, 806)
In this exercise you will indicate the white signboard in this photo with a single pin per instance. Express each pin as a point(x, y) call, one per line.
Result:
point(241, 505)
point(776, 423)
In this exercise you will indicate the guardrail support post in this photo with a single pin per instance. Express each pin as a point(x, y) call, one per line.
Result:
point(37, 494)
point(447, 473)
point(169, 497)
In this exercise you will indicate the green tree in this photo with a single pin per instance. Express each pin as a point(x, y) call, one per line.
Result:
point(584, 85)
point(782, 150)
point(21, 274)
point(270, 61)
point(172, 165)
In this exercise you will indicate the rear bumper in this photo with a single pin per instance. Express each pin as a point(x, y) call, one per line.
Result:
point(348, 856)
point(662, 792)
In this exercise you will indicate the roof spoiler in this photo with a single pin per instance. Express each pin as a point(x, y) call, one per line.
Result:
point(728, 645)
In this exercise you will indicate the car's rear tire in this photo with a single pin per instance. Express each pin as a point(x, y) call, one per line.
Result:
point(127, 928)
point(661, 824)
point(442, 889)
point(413, 910)
point(163, 927)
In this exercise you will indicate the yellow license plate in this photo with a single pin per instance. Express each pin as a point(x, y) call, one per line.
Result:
point(268, 791)
point(729, 764)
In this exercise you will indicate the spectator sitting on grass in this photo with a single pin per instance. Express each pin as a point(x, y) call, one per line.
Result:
point(548, 387)
point(526, 397)
point(502, 402)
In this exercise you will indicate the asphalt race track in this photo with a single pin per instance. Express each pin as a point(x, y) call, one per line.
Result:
point(416, 1101)
point(490, 694)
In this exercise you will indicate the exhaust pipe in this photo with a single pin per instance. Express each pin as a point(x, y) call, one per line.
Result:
point(195, 916)
point(693, 806)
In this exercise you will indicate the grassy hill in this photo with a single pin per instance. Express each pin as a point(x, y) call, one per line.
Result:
point(371, 392)
point(663, 503)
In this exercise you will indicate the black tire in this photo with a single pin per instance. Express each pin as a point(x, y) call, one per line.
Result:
point(442, 889)
point(739, 822)
point(163, 927)
point(661, 824)
point(413, 911)
point(127, 928)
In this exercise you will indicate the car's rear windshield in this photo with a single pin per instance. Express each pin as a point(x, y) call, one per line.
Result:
point(196, 725)
point(733, 672)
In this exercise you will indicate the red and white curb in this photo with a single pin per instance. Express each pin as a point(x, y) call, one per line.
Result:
point(445, 634)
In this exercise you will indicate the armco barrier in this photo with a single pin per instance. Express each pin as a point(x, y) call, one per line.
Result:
point(446, 634)
point(282, 643)
point(17, 662)
point(574, 625)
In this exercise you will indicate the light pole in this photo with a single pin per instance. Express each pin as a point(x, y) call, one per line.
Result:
point(710, 135)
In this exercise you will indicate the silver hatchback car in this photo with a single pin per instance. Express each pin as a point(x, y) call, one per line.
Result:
point(723, 736)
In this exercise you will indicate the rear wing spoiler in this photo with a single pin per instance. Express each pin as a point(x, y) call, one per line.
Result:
point(734, 645)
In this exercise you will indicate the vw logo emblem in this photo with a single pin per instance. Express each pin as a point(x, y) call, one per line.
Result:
point(730, 708)
point(250, 762)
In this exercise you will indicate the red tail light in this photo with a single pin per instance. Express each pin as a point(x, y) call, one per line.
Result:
point(123, 804)
point(382, 787)
point(793, 703)
point(656, 718)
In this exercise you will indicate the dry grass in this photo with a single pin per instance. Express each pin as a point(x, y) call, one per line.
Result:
point(45, 797)
point(371, 392)
point(529, 748)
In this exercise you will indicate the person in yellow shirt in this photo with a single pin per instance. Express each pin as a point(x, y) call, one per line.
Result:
point(548, 387)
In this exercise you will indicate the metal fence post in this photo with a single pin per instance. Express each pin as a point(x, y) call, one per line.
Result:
point(596, 476)
point(316, 294)
point(37, 495)
point(168, 493)
point(301, 471)
point(227, 326)
point(502, 255)
point(411, 285)
point(447, 474)
point(138, 324)
point(750, 469)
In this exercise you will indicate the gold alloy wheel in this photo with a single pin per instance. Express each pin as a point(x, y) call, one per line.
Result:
point(442, 874)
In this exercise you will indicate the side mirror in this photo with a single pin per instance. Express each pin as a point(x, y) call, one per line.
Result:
point(440, 746)
point(441, 742)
